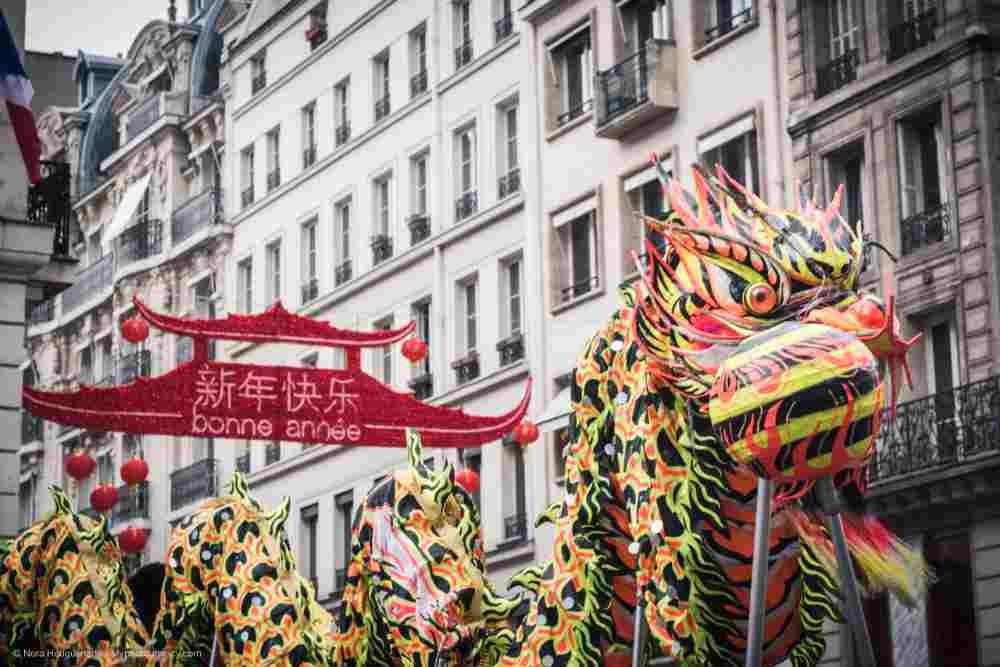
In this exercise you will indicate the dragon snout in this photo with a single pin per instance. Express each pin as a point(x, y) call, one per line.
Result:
point(800, 401)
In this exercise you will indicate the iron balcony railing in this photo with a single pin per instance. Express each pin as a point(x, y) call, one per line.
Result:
point(340, 579)
point(143, 117)
point(343, 133)
point(511, 349)
point(907, 37)
point(515, 527)
point(308, 156)
point(49, 204)
point(837, 73)
point(201, 211)
point(258, 83)
point(509, 184)
point(727, 24)
point(422, 386)
point(467, 368)
point(937, 431)
point(273, 179)
point(140, 241)
point(243, 463)
point(137, 364)
point(93, 280)
point(381, 248)
point(132, 503)
point(32, 428)
point(466, 205)
point(42, 311)
point(382, 107)
point(580, 288)
point(420, 228)
point(463, 54)
point(310, 290)
point(503, 27)
point(625, 86)
point(342, 273)
point(246, 197)
point(925, 228)
point(418, 83)
point(574, 112)
point(193, 483)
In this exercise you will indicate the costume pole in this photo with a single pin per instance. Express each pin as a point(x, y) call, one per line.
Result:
point(758, 581)
point(830, 500)
point(639, 633)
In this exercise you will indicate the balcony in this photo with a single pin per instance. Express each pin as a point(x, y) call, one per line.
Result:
point(243, 463)
point(515, 527)
point(382, 108)
point(32, 428)
point(342, 273)
point(42, 311)
point(422, 386)
point(246, 197)
point(837, 73)
point(466, 205)
point(511, 349)
point(258, 83)
point(193, 483)
point(420, 227)
point(142, 117)
point(140, 241)
point(308, 157)
point(381, 248)
point(418, 84)
point(579, 288)
point(340, 579)
point(727, 25)
point(467, 368)
point(273, 179)
point(132, 503)
point(201, 211)
point(574, 111)
point(924, 229)
point(137, 364)
point(641, 88)
point(509, 184)
point(909, 36)
point(310, 290)
point(49, 204)
point(343, 133)
point(503, 28)
point(93, 280)
point(463, 54)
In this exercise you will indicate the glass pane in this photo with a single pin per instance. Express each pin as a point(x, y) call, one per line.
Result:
point(580, 241)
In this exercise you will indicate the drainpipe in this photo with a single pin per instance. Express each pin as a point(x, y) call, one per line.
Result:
point(782, 101)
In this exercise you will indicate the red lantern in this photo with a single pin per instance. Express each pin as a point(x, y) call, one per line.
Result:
point(525, 433)
point(134, 471)
point(79, 465)
point(414, 349)
point(103, 497)
point(135, 330)
point(132, 540)
point(868, 314)
point(468, 480)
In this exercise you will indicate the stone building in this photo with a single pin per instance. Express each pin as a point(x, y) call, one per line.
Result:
point(897, 101)
point(142, 146)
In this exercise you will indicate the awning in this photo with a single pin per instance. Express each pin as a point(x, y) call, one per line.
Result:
point(126, 209)
point(556, 412)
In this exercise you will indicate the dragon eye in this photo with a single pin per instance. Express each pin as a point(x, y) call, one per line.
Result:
point(760, 299)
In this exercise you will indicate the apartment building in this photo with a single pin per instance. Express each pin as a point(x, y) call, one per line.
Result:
point(897, 101)
point(140, 151)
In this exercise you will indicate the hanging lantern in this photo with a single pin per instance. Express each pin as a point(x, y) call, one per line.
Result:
point(134, 471)
point(414, 349)
point(525, 433)
point(135, 330)
point(132, 540)
point(468, 479)
point(103, 497)
point(79, 465)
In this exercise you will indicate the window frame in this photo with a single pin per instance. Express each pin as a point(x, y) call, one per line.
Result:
point(420, 180)
point(273, 273)
point(572, 289)
point(382, 212)
point(510, 302)
point(244, 285)
point(467, 320)
point(309, 132)
point(559, 52)
point(466, 136)
point(273, 152)
point(309, 245)
point(342, 232)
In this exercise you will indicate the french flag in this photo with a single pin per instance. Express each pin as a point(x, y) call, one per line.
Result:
point(16, 91)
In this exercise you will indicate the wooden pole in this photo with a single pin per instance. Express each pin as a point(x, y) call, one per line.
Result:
point(758, 581)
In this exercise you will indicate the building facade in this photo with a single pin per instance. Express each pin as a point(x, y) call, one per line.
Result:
point(142, 147)
point(897, 101)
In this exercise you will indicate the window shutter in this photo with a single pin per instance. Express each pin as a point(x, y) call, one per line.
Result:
point(908, 171)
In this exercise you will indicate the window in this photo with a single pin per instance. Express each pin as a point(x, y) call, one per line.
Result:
point(951, 615)
point(26, 503)
point(418, 61)
point(243, 458)
point(578, 255)
point(106, 359)
point(643, 20)
point(560, 443)
point(846, 168)
point(381, 82)
point(510, 181)
point(204, 306)
point(246, 167)
point(461, 21)
point(418, 168)
point(273, 159)
point(465, 160)
point(244, 285)
point(309, 530)
point(258, 72)
point(468, 313)
point(572, 63)
point(735, 148)
point(86, 374)
point(515, 515)
point(383, 355)
point(725, 16)
point(382, 203)
point(195, 6)
point(922, 177)
point(310, 262)
point(95, 248)
point(645, 198)
point(342, 111)
point(344, 503)
point(422, 316)
point(503, 26)
point(142, 211)
point(273, 254)
point(473, 459)
point(343, 241)
point(316, 30)
point(272, 452)
point(837, 49)
point(510, 284)
point(843, 27)
point(912, 26)
point(308, 135)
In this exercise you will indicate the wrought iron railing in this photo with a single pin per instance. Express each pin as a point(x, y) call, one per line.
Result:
point(625, 86)
point(466, 205)
point(308, 156)
point(509, 184)
point(42, 311)
point(258, 83)
point(511, 349)
point(202, 210)
point(143, 116)
point(515, 527)
point(243, 463)
point(382, 107)
point(837, 73)
point(579, 288)
point(137, 364)
point(343, 133)
point(467, 368)
point(273, 179)
point(574, 111)
point(418, 83)
point(193, 483)
point(342, 273)
point(32, 428)
point(420, 227)
point(140, 241)
point(381, 248)
point(132, 503)
point(908, 36)
point(727, 24)
point(92, 280)
point(503, 27)
point(310, 290)
point(49, 204)
point(422, 386)
point(940, 430)
point(925, 228)
point(463, 54)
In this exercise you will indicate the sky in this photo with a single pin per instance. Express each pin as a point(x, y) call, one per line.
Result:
point(104, 27)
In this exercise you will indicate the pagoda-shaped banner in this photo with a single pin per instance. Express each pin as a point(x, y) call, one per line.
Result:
point(212, 399)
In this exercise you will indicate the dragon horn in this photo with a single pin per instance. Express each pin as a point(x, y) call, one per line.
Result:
point(60, 500)
point(276, 519)
point(415, 453)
